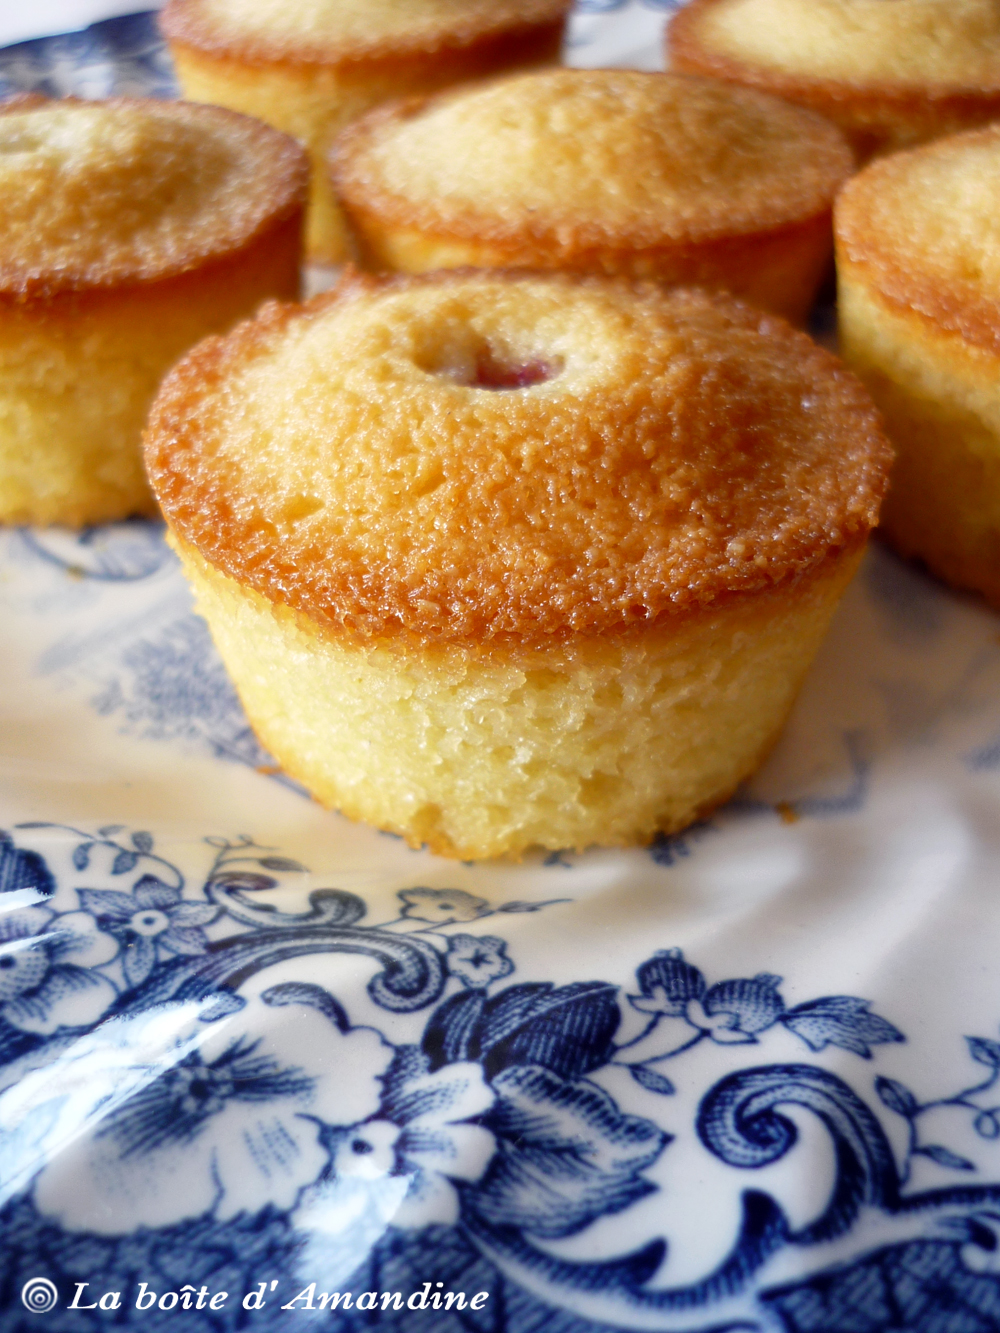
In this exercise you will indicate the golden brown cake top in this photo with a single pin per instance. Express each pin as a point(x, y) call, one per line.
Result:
point(99, 193)
point(347, 31)
point(925, 228)
point(571, 159)
point(902, 43)
point(486, 456)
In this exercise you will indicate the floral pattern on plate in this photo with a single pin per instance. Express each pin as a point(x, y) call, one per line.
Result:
point(580, 1086)
point(156, 1099)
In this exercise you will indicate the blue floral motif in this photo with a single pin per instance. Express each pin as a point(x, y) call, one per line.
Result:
point(567, 1154)
point(478, 960)
point(668, 984)
point(840, 1020)
point(441, 907)
point(156, 1101)
point(23, 871)
point(735, 1011)
point(431, 1123)
point(401, 1171)
point(167, 1117)
point(738, 1011)
point(149, 919)
point(922, 1287)
point(171, 685)
point(116, 553)
point(48, 979)
point(567, 1029)
point(985, 1119)
point(448, 907)
point(667, 849)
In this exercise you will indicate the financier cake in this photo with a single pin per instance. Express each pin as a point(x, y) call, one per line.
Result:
point(499, 560)
point(128, 231)
point(890, 73)
point(310, 66)
point(682, 179)
point(918, 242)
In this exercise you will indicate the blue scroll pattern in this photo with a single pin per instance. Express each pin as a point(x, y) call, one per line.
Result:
point(169, 1110)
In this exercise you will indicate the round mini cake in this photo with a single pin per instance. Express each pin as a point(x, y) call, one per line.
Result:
point(310, 66)
point(681, 179)
point(128, 231)
point(918, 258)
point(890, 73)
point(501, 560)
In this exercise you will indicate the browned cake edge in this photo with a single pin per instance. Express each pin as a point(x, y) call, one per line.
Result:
point(213, 530)
point(956, 307)
point(531, 239)
point(473, 45)
point(285, 212)
point(874, 116)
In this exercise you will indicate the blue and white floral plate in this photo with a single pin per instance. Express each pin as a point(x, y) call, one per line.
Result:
point(261, 1068)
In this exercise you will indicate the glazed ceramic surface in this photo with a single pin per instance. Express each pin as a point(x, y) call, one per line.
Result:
point(261, 1068)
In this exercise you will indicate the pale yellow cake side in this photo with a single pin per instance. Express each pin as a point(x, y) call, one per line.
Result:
point(940, 397)
point(78, 372)
point(778, 271)
point(480, 754)
point(313, 103)
point(687, 181)
point(310, 102)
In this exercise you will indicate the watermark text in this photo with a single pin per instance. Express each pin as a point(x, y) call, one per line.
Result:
point(40, 1295)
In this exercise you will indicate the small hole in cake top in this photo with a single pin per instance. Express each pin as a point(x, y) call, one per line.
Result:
point(514, 457)
point(492, 373)
point(468, 359)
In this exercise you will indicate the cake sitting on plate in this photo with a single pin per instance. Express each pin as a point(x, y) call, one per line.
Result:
point(918, 240)
point(128, 231)
point(503, 560)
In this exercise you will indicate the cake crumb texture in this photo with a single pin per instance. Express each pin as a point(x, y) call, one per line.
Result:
point(79, 370)
point(481, 457)
point(947, 43)
point(918, 239)
point(95, 193)
point(574, 159)
point(607, 741)
point(129, 230)
point(925, 227)
point(312, 66)
point(939, 397)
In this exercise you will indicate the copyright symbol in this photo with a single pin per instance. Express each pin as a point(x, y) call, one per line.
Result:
point(39, 1295)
